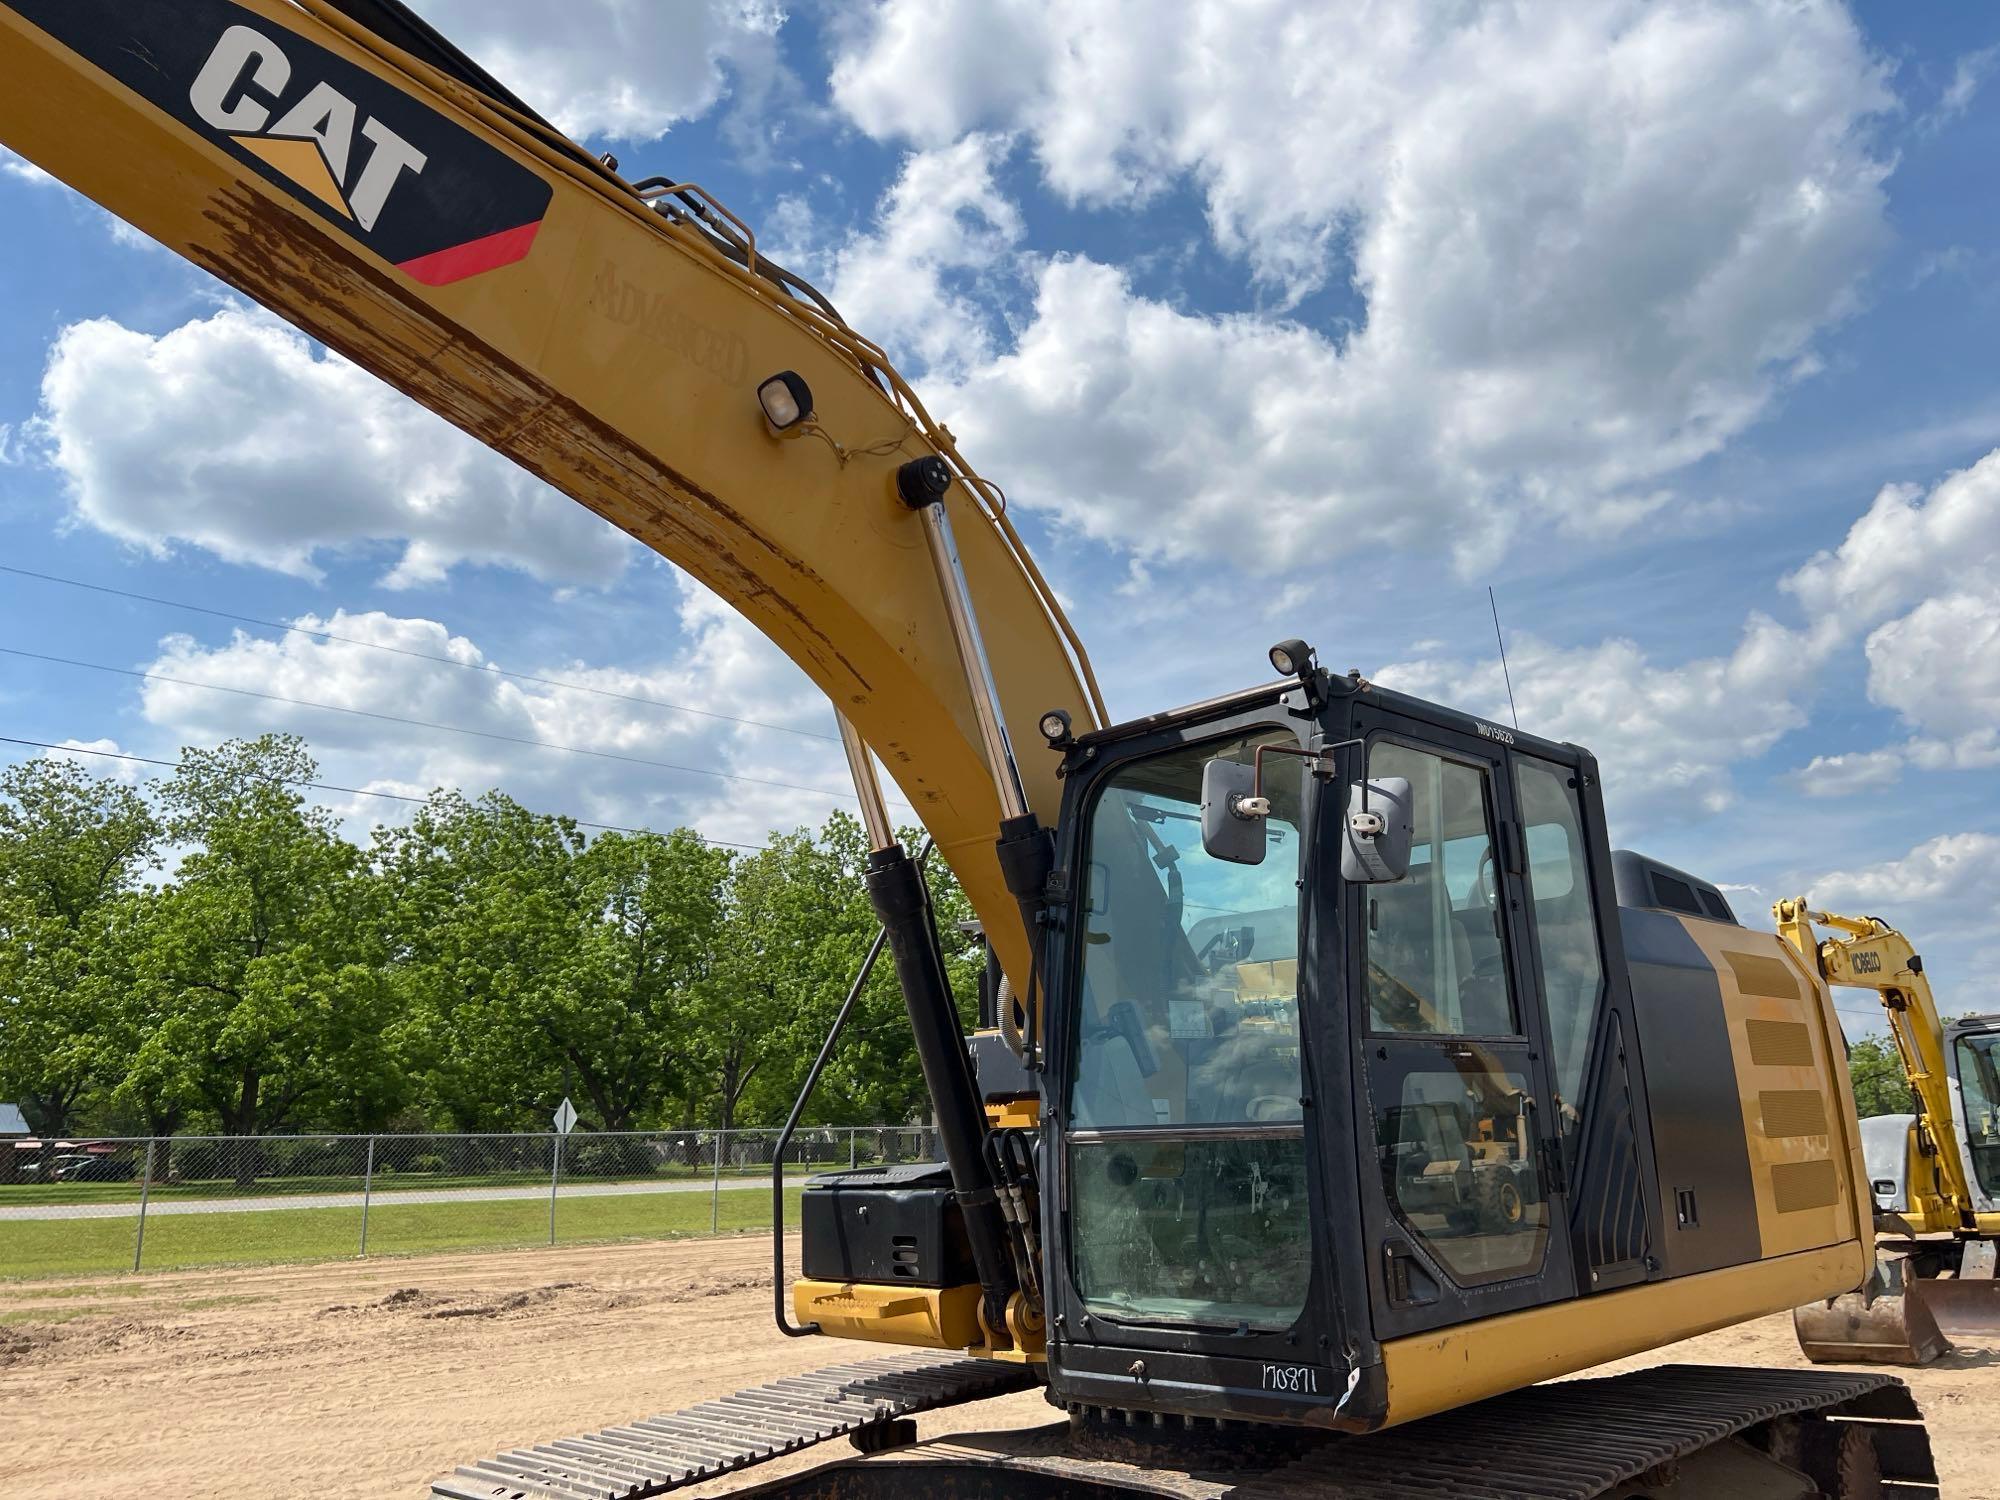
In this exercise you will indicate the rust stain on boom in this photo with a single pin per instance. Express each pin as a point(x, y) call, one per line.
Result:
point(279, 260)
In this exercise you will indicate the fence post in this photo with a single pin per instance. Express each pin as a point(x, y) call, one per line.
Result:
point(853, 1147)
point(145, 1192)
point(367, 1187)
point(715, 1192)
point(555, 1176)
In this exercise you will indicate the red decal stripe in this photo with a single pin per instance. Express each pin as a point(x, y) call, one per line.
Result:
point(441, 267)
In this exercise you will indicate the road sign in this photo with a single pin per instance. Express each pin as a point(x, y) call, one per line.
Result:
point(565, 1117)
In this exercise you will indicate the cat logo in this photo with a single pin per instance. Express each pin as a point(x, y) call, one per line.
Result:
point(312, 142)
point(366, 152)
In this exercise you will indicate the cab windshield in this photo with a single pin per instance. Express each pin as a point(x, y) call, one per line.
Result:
point(1979, 1095)
point(1187, 1156)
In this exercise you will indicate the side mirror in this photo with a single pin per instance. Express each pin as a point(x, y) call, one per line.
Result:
point(1227, 831)
point(1375, 845)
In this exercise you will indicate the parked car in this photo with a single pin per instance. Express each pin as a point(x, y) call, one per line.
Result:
point(51, 1169)
point(95, 1169)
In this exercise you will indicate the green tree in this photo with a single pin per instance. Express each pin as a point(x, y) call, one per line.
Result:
point(541, 962)
point(1880, 1086)
point(73, 848)
point(265, 964)
point(155, 1088)
point(657, 903)
point(788, 936)
point(483, 913)
point(482, 962)
point(800, 927)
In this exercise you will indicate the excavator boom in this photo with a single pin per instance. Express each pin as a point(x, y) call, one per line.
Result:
point(475, 260)
point(1925, 1290)
point(1869, 954)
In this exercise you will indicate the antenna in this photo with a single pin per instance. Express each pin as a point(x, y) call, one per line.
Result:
point(1505, 675)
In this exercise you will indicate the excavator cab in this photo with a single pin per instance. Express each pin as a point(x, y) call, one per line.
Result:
point(1314, 1093)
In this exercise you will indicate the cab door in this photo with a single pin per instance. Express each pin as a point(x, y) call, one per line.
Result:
point(1463, 1195)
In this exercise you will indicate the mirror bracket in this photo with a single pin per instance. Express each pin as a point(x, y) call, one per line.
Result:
point(1234, 805)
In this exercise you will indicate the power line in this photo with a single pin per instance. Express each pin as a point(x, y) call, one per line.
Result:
point(483, 734)
point(323, 786)
point(444, 661)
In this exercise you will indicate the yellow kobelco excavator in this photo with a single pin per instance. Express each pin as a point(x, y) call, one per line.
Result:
point(1932, 1176)
point(1343, 1086)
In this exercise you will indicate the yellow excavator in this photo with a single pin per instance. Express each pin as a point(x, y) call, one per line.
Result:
point(1932, 1176)
point(1342, 1085)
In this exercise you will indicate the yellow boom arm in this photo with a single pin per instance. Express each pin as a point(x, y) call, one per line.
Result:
point(476, 261)
point(1871, 955)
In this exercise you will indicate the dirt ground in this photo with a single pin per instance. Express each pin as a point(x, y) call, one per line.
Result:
point(367, 1380)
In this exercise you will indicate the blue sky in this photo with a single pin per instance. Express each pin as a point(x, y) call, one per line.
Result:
point(1672, 323)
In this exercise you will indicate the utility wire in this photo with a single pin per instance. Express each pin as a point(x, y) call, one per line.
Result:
point(483, 734)
point(323, 786)
point(444, 661)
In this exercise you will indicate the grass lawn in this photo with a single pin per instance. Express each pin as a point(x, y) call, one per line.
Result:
point(73, 1247)
point(36, 1194)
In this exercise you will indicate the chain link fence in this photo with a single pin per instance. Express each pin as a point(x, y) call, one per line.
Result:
point(91, 1206)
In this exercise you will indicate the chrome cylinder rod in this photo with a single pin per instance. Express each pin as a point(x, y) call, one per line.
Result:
point(972, 655)
point(867, 787)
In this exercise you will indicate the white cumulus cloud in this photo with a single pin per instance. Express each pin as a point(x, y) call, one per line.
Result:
point(1919, 573)
point(104, 758)
point(1667, 735)
point(21, 169)
point(1594, 245)
point(1906, 543)
point(1912, 585)
point(232, 434)
point(631, 69)
point(1939, 665)
point(1849, 773)
point(391, 721)
point(1954, 878)
point(922, 281)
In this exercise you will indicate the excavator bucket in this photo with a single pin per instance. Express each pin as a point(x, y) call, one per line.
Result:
point(1856, 1330)
point(1965, 1306)
point(1888, 1322)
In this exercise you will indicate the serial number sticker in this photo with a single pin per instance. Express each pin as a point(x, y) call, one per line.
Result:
point(1298, 1380)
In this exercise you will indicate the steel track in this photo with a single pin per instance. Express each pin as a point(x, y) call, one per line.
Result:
point(1569, 1440)
point(660, 1454)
